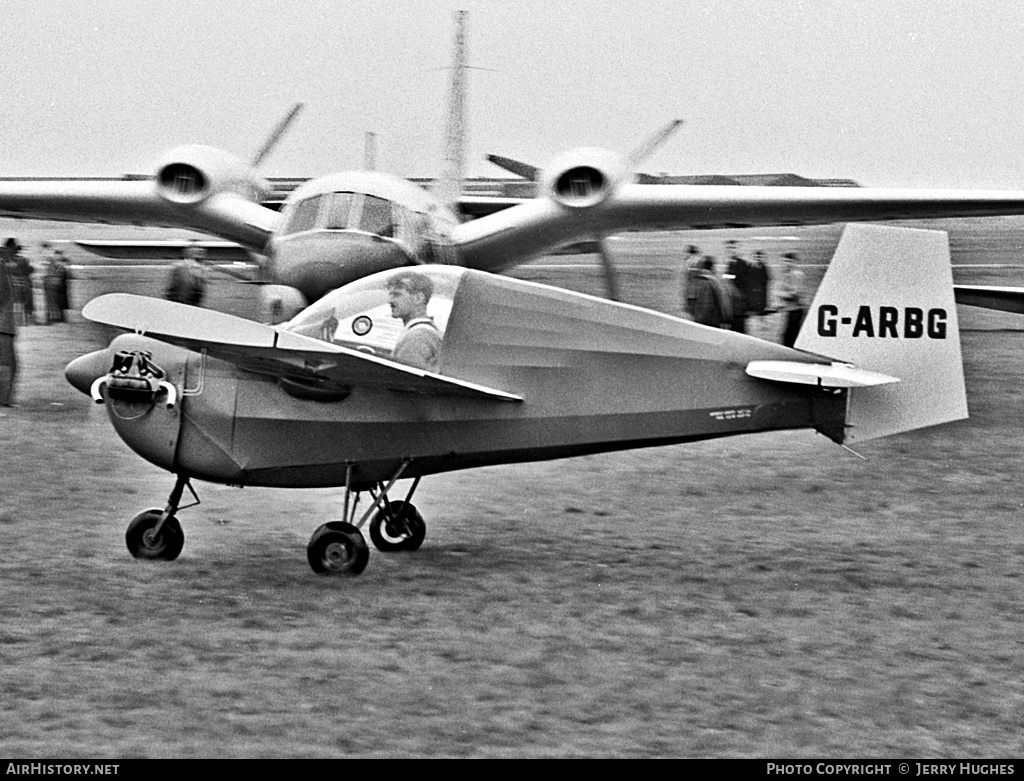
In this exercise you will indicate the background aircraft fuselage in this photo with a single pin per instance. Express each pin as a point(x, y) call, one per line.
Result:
point(346, 226)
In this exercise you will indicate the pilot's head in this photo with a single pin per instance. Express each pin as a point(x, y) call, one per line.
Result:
point(408, 294)
point(194, 252)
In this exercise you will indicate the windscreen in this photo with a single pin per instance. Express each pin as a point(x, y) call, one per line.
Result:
point(385, 313)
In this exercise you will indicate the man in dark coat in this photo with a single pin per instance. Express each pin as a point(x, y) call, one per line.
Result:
point(710, 298)
point(21, 275)
point(760, 280)
point(8, 328)
point(738, 272)
point(791, 297)
point(55, 285)
point(187, 284)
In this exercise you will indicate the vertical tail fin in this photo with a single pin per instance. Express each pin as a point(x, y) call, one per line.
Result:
point(449, 188)
point(886, 304)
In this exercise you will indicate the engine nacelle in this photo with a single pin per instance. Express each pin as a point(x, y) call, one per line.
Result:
point(584, 177)
point(191, 174)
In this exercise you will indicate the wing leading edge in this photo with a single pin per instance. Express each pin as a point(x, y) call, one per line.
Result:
point(130, 202)
point(261, 348)
point(499, 241)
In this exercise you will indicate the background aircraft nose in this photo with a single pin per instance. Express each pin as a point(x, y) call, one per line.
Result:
point(84, 371)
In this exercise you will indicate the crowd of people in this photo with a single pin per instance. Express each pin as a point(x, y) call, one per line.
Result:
point(724, 294)
point(18, 302)
point(730, 293)
point(56, 279)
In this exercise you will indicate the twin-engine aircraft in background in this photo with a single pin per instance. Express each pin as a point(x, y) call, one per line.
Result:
point(339, 228)
point(344, 226)
point(515, 372)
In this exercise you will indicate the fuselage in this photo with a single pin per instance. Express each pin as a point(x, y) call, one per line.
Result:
point(593, 376)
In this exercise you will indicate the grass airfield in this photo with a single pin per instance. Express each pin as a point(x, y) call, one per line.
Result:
point(763, 596)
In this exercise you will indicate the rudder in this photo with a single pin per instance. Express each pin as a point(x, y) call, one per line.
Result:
point(886, 304)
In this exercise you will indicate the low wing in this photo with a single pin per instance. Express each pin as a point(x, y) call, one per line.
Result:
point(267, 350)
point(1004, 299)
point(584, 202)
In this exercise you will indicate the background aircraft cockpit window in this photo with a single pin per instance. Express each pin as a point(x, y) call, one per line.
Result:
point(376, 216)
point(339, 207)
point(358, 315)
point(304, 215)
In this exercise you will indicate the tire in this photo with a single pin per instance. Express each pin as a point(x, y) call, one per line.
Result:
point(400, 527)
point(337, 549)
point(142, 543)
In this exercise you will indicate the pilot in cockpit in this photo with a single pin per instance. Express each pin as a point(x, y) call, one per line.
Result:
point(408, 295)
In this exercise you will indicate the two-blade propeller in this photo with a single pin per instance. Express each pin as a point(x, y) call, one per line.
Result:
point(633, 161)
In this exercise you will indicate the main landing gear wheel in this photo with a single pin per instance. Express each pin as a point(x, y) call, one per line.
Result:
point(337, 548)
point(397, 526)
point(144, 542)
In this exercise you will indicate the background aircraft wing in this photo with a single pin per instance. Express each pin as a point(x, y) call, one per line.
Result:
point(196, 188)
point(581, 203)
point(1004, 299)
point(266, 350)
point(128, 202)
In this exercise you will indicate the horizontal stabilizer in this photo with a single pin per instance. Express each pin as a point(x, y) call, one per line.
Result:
point(267, 350)
point(516, 167)
point(835, 375)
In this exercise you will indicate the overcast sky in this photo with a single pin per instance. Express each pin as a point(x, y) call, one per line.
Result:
point(888, 92)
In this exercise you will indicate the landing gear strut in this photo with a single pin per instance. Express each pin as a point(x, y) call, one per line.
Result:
point(338, 548)
point(156, 533)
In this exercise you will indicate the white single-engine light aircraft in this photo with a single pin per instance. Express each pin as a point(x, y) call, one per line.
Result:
point(407, 373)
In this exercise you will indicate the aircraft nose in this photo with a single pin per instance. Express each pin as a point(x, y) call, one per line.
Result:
point(85, 370)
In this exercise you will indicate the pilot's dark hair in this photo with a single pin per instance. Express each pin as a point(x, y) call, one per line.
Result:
point(414, 282)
